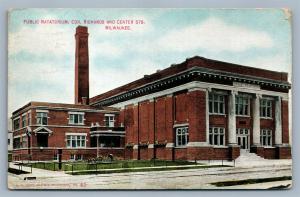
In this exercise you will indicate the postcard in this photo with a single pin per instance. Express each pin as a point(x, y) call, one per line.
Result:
point(115, 99)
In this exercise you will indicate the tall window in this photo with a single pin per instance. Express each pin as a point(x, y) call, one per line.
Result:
point(76, 118)
point(24, 142)
point(216, 104)
point(266, 137)
point(76, 141)
point(217, 136)
point(17, 123)
point(109, 120)
point(242, 105)
point(29, 119)
point(42, 118)
point(266, 108)
point(24, 120)
point(182, 136)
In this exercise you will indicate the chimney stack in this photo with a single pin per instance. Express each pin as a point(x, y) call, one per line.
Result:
point(81, 66)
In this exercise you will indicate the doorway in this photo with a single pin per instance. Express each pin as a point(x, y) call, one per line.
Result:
point(243, 138)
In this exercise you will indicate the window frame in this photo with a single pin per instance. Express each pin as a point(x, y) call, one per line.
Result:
point(80, 121)
point(184, 131)
point(14, 123)
point(268, 134)
point(216, 98)
point(43, 117)
point(265, 106)
point(17, 143)
point(72, 140)
point(212, 135)
point(244, 104)
point(24, 121)
point(111, 120)
point(72, 157)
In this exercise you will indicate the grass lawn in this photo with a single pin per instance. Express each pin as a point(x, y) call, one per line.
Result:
point(83, 167)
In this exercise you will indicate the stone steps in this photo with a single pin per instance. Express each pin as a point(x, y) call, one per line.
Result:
point(251, 157)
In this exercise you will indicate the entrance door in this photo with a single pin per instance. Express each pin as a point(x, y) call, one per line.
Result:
point(42, 139)
point(243, 138)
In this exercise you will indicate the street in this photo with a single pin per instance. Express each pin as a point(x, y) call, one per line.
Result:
point(179, 179)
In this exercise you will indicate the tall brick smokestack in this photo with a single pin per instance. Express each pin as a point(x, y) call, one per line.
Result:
point(81, 66)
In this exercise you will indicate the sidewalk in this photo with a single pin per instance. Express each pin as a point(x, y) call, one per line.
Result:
point(249, 162)
point(38, 173)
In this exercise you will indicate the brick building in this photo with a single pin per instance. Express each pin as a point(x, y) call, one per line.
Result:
point(198, 109)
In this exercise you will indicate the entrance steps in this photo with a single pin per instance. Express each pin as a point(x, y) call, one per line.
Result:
point(249, 159)
point(247, 156)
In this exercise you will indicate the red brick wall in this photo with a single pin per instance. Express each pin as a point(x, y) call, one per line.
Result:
point(181, 106)
point(169, 119)
point(180, 153)
point(160, 153)
point(270, 153)
point(129, 124)
point(160, 119)
point(144, 122)
point(197, 115)
point(285, 121)
point(143, 153)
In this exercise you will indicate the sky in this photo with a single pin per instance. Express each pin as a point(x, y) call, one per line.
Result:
point(41, 57)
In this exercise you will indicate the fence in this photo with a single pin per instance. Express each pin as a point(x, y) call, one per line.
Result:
point(97, 166)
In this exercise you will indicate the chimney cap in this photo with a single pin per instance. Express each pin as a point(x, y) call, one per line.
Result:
point(81, 29)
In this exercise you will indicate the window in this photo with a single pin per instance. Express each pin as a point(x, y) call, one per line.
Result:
point(41, 118)
point(17, 123)
point(182, 136)
point(72, 157)
point(29, 119)
point(24, 120)
point(76, 141)
point(17, 142)
point(217, 136)
point(76, 118)
point(109, 120)
point(78, 157)
point(242, 105)
point(266, 137)
point(216, 104)
point(266, 108)
point(24, 142)
point(55, 157)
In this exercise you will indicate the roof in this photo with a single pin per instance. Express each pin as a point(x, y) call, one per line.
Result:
point(199, 62)
point(35, 104)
